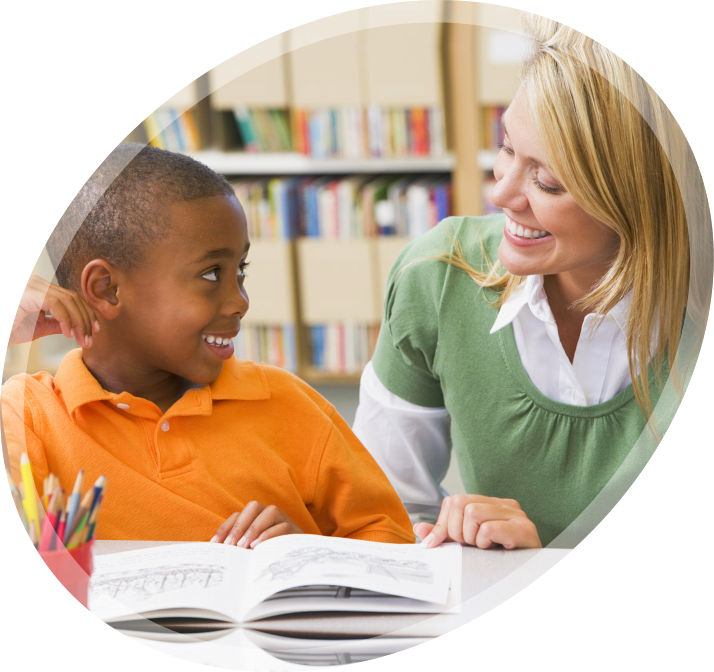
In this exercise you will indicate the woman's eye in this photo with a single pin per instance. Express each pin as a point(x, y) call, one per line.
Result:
point(211, 275)
point(504, 147)
point(243, 266)
point(547, 190)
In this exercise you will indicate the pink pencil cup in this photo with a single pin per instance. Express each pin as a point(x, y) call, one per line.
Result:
point(73, 568)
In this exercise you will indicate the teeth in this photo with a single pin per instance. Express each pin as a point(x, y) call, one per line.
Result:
point(216, 340)
point(523, 232)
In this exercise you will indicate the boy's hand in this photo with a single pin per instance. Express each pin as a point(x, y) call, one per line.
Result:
point(71, 314)
point(255, 524)
point(480, 521)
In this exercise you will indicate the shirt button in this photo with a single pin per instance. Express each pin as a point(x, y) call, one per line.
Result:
point(165, 426)
point(124, 407)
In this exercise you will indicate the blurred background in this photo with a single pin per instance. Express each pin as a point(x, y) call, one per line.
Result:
point(344, 139)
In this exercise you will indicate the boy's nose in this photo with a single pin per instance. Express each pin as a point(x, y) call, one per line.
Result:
point(236, 302)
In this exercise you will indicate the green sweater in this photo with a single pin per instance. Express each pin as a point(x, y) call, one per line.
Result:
point(510, 440)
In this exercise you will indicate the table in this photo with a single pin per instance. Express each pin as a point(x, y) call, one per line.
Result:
point(488, 579)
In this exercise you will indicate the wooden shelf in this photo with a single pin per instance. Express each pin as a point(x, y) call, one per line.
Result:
point(487, 159)
point(314, 376)
point(292, 163)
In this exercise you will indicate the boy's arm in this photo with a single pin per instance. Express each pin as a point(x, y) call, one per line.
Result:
point(19, 431)
point(352, 497)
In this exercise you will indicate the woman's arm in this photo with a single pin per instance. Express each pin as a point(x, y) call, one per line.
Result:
point(411, 443)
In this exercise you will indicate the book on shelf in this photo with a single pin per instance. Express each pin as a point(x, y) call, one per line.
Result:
point(343, 208)
point(488, 184)
point(172, 129)
point(176, 124)
point(342, 348)
point(341, 132)
point(293, 574)
point(272, 344)
point(493, 127)
point(263, 130)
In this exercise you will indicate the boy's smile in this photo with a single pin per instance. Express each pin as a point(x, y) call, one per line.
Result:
point(178, 310)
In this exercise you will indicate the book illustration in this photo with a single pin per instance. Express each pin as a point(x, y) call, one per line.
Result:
point(141, 584)
point(296, 562)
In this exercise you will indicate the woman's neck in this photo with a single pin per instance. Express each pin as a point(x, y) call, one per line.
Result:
point(563, 291)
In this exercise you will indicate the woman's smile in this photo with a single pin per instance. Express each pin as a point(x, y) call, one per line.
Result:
point(524, 236)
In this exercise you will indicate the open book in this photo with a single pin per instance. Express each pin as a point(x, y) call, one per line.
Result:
point(285, 575)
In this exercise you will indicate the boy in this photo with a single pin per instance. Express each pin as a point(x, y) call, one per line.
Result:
point(194, 443)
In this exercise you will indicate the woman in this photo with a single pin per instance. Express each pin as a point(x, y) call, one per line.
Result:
point(526, 366)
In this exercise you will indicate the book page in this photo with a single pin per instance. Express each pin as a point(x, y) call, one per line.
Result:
point(402, 570)
point(308, 572)
point(199, 575)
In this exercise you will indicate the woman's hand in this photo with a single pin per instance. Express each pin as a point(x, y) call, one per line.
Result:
point(71, 314)
point(480, 521)
point(255, 524)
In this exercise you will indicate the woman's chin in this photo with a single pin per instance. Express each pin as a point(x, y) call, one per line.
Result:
point(516, 265)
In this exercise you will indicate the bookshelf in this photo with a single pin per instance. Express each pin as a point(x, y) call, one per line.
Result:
point(293, 163)
point(426, 72)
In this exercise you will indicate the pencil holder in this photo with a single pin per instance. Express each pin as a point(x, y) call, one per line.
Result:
point(73, 568)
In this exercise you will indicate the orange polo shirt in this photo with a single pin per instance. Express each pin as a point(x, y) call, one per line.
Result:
point(256, 433)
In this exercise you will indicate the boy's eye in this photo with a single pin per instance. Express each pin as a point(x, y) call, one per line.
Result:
point(211, 275)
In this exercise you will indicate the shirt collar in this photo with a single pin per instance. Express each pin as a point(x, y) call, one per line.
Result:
point(239, 380)
point(531, 293)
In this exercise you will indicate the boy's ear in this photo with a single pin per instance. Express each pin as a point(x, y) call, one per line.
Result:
point(100, 286)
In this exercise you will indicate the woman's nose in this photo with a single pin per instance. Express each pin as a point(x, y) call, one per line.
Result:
point(509, 191)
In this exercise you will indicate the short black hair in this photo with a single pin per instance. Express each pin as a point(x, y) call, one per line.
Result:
point(122, 208)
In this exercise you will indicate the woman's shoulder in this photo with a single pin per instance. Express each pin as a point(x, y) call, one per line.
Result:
point(473, 235)
point(422, 260)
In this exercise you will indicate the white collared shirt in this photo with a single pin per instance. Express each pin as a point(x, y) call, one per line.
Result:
point(600, 368)
point(412, 444)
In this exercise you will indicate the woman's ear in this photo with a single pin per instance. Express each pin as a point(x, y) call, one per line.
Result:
point(100, 286)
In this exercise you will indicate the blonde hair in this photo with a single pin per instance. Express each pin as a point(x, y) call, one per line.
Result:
point(618, 151)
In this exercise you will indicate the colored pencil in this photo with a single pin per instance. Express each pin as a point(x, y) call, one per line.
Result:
point(54, 519)
point(98, 488)
point(30, 501)
point(53, 510)
point(80, 519)
point(93, 517)
point(73, 506)
point(57, 540)
point(33, 536)
point(89, 527)
point(17, 499)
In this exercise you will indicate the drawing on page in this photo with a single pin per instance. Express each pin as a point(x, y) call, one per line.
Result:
point(141, 584)
point(295, 562)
